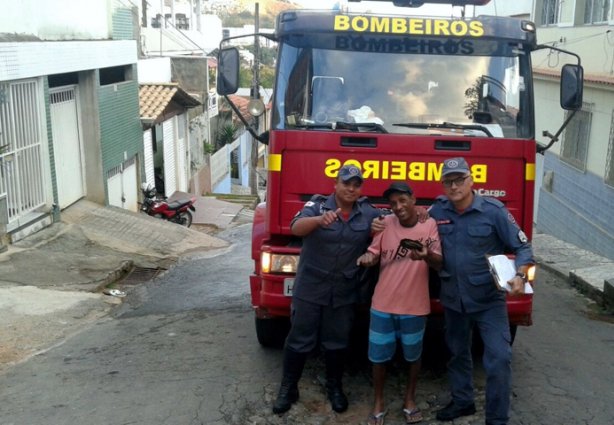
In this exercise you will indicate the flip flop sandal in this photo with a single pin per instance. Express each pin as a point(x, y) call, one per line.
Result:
point(412, 416)
point(377, 419)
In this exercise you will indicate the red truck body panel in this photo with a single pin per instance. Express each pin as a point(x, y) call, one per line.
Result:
point(307, 166)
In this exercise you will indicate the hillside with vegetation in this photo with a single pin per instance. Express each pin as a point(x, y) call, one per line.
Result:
point(241, 12)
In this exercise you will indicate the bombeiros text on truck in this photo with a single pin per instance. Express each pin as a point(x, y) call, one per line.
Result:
point(394, 95)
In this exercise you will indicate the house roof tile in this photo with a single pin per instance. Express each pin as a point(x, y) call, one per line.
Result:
point(154, 98)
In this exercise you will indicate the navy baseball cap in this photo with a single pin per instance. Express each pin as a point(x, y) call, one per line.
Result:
point(348, 172)
point(455, 165)
point(398, 187)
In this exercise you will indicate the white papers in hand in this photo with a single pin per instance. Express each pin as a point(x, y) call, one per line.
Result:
point(503, 269)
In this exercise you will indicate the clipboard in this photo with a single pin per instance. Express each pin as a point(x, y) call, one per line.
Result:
point(503, 269)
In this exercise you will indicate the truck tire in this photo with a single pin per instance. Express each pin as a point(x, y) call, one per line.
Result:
point(271, 333)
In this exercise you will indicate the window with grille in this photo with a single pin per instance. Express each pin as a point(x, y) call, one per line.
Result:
point(575, 142)
point(597, 11)
point(550, 12)
point(609, 163)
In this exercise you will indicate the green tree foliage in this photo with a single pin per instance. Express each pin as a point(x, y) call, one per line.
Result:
point(267, 54)
point(245, 77)
point(247, 18)
point(267, 77)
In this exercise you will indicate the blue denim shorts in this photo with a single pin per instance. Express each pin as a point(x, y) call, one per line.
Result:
point(384, 331)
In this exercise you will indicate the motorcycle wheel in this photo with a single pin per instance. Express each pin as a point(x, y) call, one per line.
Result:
point(185, 219)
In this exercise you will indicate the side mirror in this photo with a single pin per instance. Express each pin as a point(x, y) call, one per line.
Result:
point(572, 83)
point(228, 71)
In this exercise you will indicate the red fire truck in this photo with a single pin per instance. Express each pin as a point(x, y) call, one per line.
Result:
point(394, 95)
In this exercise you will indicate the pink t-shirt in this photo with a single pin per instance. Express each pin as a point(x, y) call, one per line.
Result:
point(403, 286)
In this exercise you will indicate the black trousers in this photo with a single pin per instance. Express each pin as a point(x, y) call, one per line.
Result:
point(313, 322)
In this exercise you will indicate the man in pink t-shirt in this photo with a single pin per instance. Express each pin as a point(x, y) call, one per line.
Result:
point(405, 250)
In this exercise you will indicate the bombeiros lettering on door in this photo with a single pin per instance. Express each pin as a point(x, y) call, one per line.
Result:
point(400, 170)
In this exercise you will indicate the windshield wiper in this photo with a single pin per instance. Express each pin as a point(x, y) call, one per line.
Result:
point(342, 125)
point(358, 126)
point(449, 125)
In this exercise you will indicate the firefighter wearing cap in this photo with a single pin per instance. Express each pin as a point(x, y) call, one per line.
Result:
point(335, 231)
point(470, 227)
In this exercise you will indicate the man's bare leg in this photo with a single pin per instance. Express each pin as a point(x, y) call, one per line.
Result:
point(412, 382)
point(379, 380)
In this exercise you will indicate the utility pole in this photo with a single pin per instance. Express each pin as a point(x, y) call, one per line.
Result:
point(255, 94)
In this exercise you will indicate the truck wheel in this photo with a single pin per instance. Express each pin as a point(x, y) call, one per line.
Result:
point(272, 332)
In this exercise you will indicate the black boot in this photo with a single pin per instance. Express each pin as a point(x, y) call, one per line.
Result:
point(288, 390)
point(334, 374)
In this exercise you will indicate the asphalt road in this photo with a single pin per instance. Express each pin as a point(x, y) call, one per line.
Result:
point(182, 350)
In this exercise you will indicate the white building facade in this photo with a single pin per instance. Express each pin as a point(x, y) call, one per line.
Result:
point(69, 125)
point(576, 176)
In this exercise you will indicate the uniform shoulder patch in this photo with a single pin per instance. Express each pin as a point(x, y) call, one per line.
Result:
point(522, 237)
point(493, 201)
point(317, 198)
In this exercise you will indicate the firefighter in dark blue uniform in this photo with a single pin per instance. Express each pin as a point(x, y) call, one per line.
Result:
point(470, 227)
point(335, 231)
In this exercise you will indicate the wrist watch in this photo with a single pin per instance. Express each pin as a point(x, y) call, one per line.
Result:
point(522, 275)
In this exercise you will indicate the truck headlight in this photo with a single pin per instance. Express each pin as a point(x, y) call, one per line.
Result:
point(531, 273)
point(278, 263)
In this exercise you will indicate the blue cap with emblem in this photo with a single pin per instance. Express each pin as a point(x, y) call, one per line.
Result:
point(348, 172)
point(455, 165)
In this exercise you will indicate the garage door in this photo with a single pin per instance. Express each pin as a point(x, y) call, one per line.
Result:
point(122, 186)
point(67, 149)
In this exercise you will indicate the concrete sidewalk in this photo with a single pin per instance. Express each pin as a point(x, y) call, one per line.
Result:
point(590, 273)
point(51, 282)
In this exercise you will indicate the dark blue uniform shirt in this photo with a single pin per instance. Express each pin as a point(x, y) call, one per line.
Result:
point(485, 228)
point(327, 270)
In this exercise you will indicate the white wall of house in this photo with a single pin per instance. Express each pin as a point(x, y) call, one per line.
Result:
point(505, 8)
point(154, 70)
point(595, 46)
point(221, 181)
point(25, 60)
point(58, 20)
point(171, 40)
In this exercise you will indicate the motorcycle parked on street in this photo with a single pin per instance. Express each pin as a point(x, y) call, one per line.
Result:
point(176, 211)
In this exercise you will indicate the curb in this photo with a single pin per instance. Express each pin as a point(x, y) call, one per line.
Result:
point(604, 298)
point(586, 288)
point(552, 268)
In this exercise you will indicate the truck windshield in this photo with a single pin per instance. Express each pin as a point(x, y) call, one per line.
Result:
point(479, 96)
